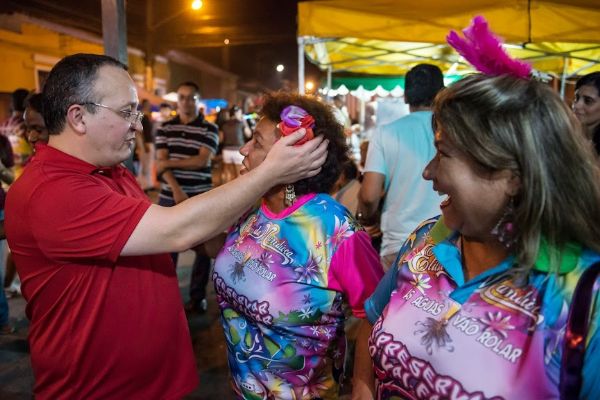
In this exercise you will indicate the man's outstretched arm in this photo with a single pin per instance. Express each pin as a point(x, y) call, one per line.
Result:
point(195, 220)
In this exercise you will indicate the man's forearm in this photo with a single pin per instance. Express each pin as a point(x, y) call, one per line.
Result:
point(168, 229)
point(367, 209)
point(217, 209)
point(168, 177)
point(370, 194)
point(192, 163)
point(191, 222)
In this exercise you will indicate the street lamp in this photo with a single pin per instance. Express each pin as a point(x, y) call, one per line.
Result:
point(151, 27)
point(196, 4)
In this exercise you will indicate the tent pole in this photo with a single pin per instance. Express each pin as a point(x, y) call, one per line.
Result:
point(329, 71)
point(563, 80)
point(361, 113)
point(301, 65)
point(577, 71)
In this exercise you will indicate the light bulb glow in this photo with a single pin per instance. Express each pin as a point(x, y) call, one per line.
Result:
point(280, 68)
point(196, 4)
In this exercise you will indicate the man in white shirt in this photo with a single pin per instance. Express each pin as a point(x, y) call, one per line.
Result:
point(398, 152)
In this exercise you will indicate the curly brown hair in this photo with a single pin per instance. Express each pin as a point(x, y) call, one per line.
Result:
point(325, 125)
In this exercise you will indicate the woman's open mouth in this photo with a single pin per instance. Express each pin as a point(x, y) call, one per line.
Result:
point(446, 201)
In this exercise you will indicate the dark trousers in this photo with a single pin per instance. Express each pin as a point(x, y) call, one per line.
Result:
point(199, 278)
point(200, 270)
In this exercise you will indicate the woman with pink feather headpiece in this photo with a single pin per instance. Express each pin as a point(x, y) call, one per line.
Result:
point(480, 303)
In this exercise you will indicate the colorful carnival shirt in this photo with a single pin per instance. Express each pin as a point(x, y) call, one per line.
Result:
point(439, 337)
point(281, 282)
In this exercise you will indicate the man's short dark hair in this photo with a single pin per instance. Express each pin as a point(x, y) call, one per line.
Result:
point(233, 110)
point(35, 101)
point(421, 85)
point(190, 84)
point(17, 99)
point(71, 81)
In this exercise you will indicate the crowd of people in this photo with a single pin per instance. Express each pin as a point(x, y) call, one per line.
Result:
point(488, 194)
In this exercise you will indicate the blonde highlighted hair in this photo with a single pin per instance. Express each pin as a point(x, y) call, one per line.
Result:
point(523, 126)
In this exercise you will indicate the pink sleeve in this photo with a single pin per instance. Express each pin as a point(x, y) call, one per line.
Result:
point(355, 271)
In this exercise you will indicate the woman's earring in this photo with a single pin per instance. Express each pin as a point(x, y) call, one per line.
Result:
point(505, 230)
point(290, 195)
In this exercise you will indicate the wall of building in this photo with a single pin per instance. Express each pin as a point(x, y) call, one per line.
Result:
point(28, 52)
point(29, 48)
point(214, 82)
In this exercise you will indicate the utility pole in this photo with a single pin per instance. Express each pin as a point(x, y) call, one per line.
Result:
point(149, 53)
point(114, 29)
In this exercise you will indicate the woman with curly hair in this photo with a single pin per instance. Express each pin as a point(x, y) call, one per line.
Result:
point(289, 267)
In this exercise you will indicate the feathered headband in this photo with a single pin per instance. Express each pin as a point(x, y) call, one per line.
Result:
point(294, 118)
point(483, 49)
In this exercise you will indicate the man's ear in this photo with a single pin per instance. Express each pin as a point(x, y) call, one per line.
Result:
point(75, 119)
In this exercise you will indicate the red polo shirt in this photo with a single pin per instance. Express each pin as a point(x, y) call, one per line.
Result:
point(102, 325)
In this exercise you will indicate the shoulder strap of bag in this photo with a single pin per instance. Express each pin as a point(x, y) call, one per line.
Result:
point(576, 334)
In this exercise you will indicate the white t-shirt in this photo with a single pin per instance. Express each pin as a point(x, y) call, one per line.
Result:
point(400, 151)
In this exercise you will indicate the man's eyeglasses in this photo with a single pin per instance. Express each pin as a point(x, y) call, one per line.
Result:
point(132, 117)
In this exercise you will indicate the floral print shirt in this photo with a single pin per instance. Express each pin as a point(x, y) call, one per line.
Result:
point(282, 281)
point(438, 337)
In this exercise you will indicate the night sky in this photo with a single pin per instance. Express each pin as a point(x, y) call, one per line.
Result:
point(261, 33)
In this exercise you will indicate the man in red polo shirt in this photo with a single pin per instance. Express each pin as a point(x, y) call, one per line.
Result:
point(103, 299)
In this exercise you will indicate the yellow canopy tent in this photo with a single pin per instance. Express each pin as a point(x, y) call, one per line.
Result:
point(387, 37)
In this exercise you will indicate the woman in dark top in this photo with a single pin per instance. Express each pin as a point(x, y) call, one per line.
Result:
point(586, 105)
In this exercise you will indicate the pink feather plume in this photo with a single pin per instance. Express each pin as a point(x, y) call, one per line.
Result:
point(484, 51)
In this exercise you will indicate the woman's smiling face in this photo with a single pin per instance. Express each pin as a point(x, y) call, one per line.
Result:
point(475, 197)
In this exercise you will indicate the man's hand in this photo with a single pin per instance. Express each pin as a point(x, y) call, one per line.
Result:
point(161, 166)
point(287, 163)
point(179, 196)
point(168, 229)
